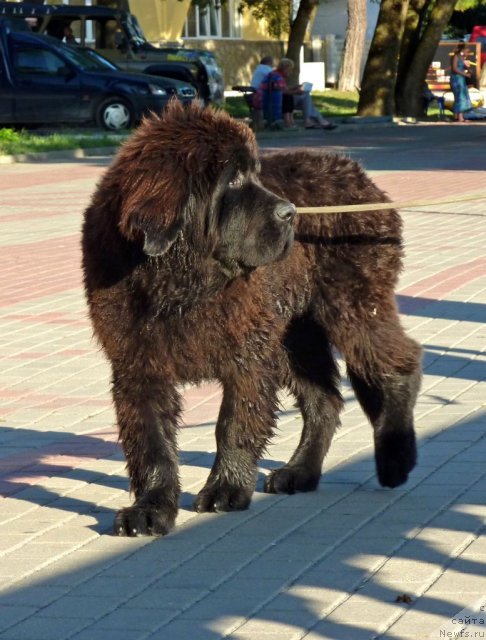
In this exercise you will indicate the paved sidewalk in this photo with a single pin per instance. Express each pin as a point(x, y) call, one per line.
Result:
point(350, 561)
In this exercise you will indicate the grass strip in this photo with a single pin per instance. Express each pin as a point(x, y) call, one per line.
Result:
point(14, 142)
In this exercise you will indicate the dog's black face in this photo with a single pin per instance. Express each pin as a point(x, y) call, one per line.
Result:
point(240, 223)
point(199, 193)
point(255, 227)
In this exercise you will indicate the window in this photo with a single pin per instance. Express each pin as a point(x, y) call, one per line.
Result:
point(214, 20)
point(37, 61)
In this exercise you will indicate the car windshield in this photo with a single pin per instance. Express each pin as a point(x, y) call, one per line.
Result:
point(88, 59)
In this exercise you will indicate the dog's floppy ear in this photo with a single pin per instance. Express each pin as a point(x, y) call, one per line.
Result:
point(157, 239)
point(155, 205)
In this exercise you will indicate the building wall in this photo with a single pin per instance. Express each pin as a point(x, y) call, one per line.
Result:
point(329, 31)
point(331, 18)
point(238, 58)
point(254, 30)
point(161, 20)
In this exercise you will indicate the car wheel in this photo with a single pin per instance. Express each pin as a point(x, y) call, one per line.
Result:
point(114, 114)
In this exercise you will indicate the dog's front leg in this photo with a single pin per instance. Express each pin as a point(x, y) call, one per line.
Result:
point(148, 409)
point(245, 425)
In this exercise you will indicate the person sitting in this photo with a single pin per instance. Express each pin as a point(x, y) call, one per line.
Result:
point(261, 70)
point(68, 35)
point(312, 118)
point(302, 100)
point(268, 99)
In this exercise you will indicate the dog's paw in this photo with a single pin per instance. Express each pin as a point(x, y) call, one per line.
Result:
point(291, 479)
point(144, 521)
point(222, 497)
point(395, 457)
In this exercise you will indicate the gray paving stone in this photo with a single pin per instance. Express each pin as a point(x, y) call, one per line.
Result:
point(83, 607)
point(184, 629)
point(94, 632)
point(36, 597)
point(10, 614)
point(40, 628)
point(335, 631)
point(136, 619)
point(327, 564)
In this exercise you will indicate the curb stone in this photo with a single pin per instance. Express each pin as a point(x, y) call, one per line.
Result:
point(62, 154)
point(348, 123)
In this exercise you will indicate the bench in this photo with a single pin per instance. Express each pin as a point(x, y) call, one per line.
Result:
point(438, 83)
point(431, 96)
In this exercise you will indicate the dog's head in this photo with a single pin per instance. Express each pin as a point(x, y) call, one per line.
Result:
point(192, 174)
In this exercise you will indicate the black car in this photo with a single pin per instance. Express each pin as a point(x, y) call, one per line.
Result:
point(44, 81)
point(118, 36)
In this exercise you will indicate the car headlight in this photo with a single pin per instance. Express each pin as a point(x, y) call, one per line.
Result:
point(157, 90)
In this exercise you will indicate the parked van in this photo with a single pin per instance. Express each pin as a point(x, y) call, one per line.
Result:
point(117, 35)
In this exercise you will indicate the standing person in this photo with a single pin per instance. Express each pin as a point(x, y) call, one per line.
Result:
point(459, 73)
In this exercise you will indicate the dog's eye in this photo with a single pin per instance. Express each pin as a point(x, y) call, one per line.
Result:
point(237, 181)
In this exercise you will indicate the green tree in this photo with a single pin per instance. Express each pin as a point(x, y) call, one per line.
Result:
point(282, 20)
point(276, 13)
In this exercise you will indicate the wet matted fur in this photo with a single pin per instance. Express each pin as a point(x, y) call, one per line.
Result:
point(192, 273)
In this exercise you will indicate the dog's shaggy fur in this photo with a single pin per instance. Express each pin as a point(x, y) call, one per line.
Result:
point(192, 274)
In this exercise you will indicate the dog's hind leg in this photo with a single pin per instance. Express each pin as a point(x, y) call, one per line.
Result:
point(147, 409)
point(314, 381)
point(389, 404)
point(384, 367)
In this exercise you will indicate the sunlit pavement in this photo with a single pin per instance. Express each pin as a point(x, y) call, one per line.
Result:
point(351, 560)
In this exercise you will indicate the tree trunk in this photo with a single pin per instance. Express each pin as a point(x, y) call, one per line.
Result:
point(350, 70)
point(417, 12)
point(410, 85)
point(298, 28)
point(377, 97)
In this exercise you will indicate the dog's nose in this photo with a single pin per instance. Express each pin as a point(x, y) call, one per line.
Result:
point(285, 211)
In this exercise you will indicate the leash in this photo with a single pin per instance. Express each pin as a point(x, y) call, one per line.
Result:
point(381, 206)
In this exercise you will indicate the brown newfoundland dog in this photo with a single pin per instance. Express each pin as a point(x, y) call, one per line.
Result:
point(196, 268)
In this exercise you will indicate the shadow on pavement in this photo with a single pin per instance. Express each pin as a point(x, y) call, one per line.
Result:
point(288, 560)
